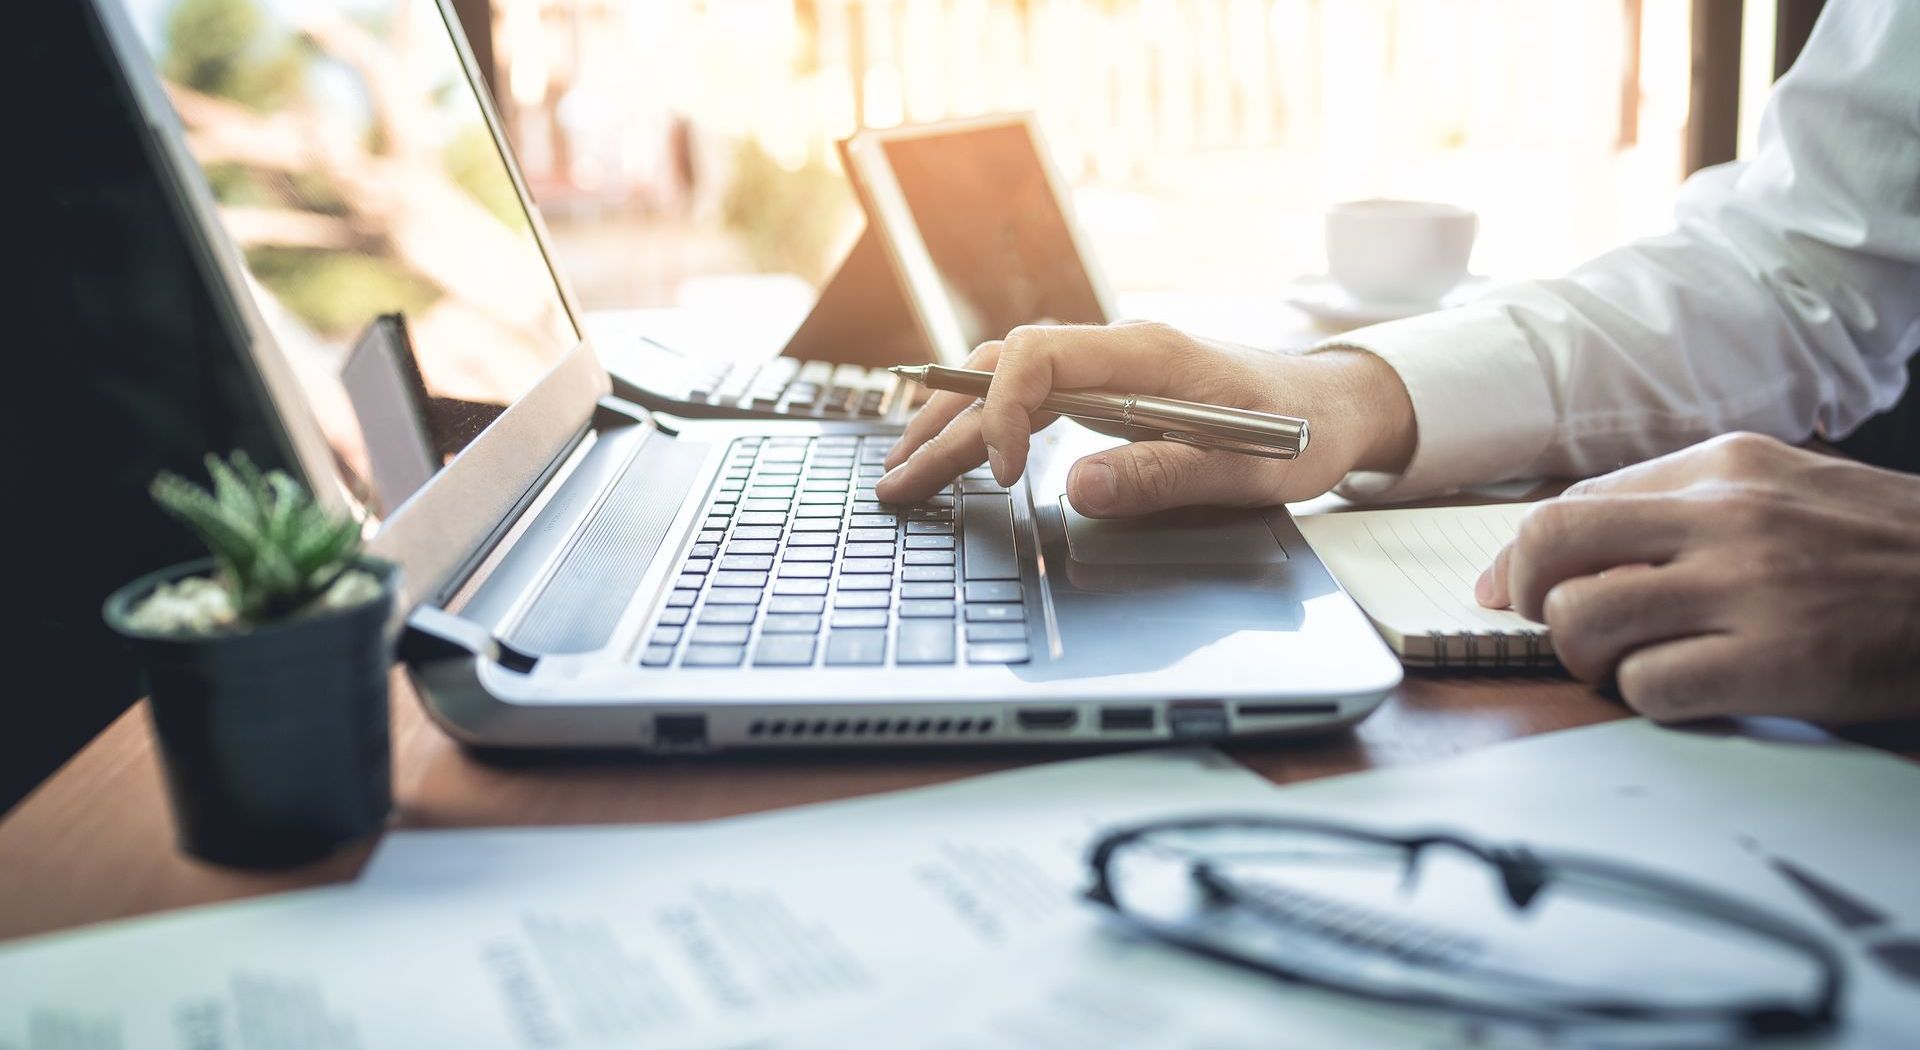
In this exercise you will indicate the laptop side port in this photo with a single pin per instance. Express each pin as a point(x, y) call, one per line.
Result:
point(1046, 719)
point(1197, 720)
point(1126, 718)
point(680, 732)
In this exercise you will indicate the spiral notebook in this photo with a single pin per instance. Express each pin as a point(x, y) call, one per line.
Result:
point(1412, 572)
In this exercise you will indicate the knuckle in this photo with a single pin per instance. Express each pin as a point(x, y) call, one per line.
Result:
point(1543, 526)
point(985, 354)
point(1576, 636)
point(1743, 452)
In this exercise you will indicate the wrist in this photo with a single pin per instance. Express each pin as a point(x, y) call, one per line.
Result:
point(1376, 406)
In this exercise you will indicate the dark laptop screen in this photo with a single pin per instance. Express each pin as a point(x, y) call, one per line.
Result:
point(355, 171)
point(994, 229)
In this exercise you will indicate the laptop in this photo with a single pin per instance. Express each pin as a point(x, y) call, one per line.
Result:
point(582, 572)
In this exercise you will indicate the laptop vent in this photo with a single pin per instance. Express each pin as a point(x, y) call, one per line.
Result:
point(866, 728)
point(577, 610)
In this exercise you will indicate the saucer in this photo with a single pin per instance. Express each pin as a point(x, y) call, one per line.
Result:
point(1325, 301)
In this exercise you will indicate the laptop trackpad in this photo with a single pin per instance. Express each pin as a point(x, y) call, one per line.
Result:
point(1190, 536)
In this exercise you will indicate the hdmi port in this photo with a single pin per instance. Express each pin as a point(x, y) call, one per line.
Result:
point(1054, 718)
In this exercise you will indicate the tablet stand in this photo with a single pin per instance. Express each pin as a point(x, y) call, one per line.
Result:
point(863, 315)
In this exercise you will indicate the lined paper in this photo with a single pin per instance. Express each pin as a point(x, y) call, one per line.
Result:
point(1412, 571)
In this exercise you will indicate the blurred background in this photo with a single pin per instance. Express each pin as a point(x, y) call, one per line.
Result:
point(672, 141)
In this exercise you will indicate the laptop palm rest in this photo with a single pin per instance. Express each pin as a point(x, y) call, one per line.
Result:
point(1191, 536)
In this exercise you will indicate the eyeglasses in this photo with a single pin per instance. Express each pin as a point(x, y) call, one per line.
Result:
point(1540, 938)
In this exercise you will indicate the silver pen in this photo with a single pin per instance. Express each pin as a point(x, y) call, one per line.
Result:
point(1241, 430)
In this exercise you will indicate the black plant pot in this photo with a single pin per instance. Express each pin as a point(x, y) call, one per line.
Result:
point(274, 740)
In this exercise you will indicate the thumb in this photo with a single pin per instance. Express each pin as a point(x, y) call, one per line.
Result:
point(1146, 476)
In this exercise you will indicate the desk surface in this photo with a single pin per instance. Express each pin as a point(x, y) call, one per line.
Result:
point(95, 841)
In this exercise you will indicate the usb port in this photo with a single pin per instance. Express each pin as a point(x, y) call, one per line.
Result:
point(1197, 720)
point(1126, 718)
point(680, 732)
point(1047, 718)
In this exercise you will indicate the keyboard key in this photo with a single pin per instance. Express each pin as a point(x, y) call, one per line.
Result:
point(860, 618)
point(680, 599)
point(667, 636)
point(806, 554)
point(869, 535)
point(930, 514)
point(777, 506)
point(870, 550)
point(926, 590)
point(795, 603)
point(817, 524)
point(929, 528)
point(800, 587)
point(791, 624)
point(763, 518)
point(863, 599)
point(977, 487)
point(929, 558)
point(828, 540)
point(713, 656)
point(673, 617)
point(870, 582)
point(921, 609)
point(815, 483)
point(710, 535)
point(929, 543)
point(924, 642)
point(703, 550)
point(848, 648)
point(869, 507)
point(716, 522)
point(728, 614)
point(779, 492)
point(867, 565)
point(988, 536)
point(757, 532)
point(835, 511)
point(734, 596)
point(656, 656)
point(993, 591)
point(783, 650)
point(805, 570)
point(718, 634)
point(874, 521)
point(739, 579)
point(690, 581)
point(996, 632)
point(752, 562)
point(997, 653)
point(750, 547)
point(995, 613)
point(927, 573)
point(836, 499)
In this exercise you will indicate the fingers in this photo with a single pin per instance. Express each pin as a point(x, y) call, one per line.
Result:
point(933, 465)
point(1564, 538)
point(941, 408)
point(1728, 457)
point(1147, 476)
point(1598, 621)
point(1035, 361)
point(1490, 589)
point(1698, 677)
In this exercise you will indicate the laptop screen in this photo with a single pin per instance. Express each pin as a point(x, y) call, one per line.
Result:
point(356, 173)
point(993, 228)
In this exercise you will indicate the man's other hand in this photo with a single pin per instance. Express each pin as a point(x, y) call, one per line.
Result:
point(1359, 410)
point(1741, 576)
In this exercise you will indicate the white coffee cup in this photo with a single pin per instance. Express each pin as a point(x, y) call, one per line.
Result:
point(1392, 251)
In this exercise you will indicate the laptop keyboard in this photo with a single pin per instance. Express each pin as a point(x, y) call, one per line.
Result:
point(797, 565)
point(787, 385)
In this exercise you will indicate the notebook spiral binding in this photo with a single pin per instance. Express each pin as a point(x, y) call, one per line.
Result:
point(1464, 649)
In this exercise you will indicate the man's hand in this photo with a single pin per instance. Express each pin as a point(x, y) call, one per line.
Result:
point(1359, 410)
point(1737, 577)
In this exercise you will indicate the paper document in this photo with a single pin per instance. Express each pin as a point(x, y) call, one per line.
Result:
point(714, 935)
point(1745, 815)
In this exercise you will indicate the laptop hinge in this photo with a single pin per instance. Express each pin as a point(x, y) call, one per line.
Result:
point(434, 634)
point(612, 413)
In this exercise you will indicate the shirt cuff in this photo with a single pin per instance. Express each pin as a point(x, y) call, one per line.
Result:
point(1481, 402)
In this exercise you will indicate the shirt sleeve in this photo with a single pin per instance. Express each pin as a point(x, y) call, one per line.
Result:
point(1786, 300)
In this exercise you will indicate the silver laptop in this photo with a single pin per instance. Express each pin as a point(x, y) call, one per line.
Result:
point(585, 573)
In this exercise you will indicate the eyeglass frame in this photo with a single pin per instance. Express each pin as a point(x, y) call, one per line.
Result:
point(1524, 871)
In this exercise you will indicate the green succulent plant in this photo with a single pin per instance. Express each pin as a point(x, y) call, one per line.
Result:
point(277, 550)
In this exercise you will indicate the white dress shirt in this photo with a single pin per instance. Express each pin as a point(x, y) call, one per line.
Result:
point(1785, 301)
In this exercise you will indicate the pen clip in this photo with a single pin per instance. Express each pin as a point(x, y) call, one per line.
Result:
point(1245, 448)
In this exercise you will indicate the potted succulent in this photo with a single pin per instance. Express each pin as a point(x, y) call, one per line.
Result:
point(266, 669)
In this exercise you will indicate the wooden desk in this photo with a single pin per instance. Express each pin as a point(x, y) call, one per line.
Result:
point(96, 841)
